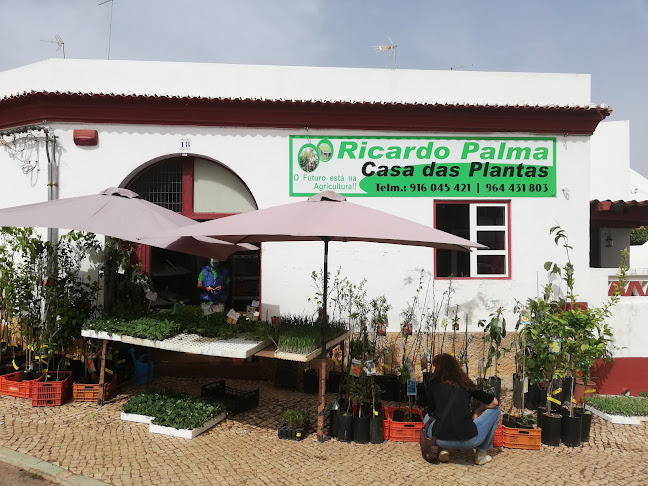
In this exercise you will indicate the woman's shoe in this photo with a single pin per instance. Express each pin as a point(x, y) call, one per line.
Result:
point(444, 456)
point(481, 457)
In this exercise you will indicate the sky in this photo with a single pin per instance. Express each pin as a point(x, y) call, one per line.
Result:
point(605, 38)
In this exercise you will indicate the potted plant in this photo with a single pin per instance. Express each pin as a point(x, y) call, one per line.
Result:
point(361, 393)
point(293, 425)
point(494, 332)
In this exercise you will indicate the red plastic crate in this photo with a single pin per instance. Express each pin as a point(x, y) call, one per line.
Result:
point(498, 438)
point(52, 393)
point(82, 392)
point(10, 386)
point(528, 439)
point(404, 431)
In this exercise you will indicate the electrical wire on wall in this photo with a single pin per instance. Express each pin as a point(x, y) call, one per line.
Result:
point(23, 144)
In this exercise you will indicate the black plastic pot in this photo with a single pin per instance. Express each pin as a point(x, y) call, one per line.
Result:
point(532, 397)
point(376, 430)
point(333, 414)
point(565, 396)
point(299, 434)
point(551, 425)
point(586, 425)
point(539, 414)
point(345, 427)
point(286, 374)
point(518, 387)
point(310, 381)
point(361, 429)
point(283, 431)
point(570, 432)
point(421, 396)
point(496, 383)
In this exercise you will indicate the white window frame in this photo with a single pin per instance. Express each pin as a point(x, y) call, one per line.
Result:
point(474, 228)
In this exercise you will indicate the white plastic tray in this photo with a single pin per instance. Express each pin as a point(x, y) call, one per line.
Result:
point(189, 343)
point(615, 419)
point(185, 433)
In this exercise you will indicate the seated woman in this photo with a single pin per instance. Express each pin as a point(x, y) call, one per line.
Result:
point(449, 391)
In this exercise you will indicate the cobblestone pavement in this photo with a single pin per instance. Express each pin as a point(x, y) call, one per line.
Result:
point(94, 442)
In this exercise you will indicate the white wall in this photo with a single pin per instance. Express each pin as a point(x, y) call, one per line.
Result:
point(639, 256)
point(260, 158)
point(610, 161)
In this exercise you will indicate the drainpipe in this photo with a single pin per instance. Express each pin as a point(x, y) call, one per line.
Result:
point(52, 180)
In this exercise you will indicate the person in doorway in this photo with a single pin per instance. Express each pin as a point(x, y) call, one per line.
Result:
point(449, 390)
point(213, 282)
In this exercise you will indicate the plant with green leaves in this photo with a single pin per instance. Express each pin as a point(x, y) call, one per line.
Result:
point(295, 419)
point(43, 290)
point(173, 409)
point(361, 390)
point(379, 309)
point(562, 337)
point(494, 333)
point(620, 405)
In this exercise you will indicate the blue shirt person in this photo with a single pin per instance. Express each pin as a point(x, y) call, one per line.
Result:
point(213, 281)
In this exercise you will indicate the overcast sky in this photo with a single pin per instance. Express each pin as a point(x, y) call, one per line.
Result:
point(605, 38)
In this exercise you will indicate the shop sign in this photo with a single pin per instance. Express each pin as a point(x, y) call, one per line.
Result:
point(634, 288)
point(438, 167)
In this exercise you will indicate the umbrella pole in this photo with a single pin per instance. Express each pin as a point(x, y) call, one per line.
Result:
point(323, 329)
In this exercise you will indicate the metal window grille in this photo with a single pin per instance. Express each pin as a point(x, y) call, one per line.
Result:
point(161, 184)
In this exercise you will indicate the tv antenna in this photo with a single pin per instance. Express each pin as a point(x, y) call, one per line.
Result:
point(110, 27)
point(390, 49)
point(59, 42)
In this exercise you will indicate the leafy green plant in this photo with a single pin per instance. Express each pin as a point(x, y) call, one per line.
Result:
point(563, 338)
point(638, 236)
point(363, 390)
point(379, 308)
point(643, 394)
point(296, 419)
point(620, 405)
point(494, 332)
point(43, 290)
point(160, 326)
point(173, 409)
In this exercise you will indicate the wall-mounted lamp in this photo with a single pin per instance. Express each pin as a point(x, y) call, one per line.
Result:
point(609, 242)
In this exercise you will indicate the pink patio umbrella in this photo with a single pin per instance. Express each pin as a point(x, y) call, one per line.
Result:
point(328, 216)
point(119, 213)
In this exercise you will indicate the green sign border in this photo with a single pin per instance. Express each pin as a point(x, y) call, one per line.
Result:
point(421, 137)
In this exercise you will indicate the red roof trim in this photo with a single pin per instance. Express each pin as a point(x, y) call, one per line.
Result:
point(83, 108)
point(619, 214)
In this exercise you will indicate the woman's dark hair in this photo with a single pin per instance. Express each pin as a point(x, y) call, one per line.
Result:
point(448, 370)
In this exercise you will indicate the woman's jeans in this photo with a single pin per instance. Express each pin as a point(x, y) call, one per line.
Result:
point(486, 424)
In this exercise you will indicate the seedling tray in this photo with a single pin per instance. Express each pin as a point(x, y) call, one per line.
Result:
point(235, 401)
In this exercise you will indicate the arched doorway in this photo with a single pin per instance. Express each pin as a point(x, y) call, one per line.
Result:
point(200, 189)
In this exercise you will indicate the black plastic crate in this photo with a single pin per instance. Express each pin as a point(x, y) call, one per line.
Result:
point(235, 401)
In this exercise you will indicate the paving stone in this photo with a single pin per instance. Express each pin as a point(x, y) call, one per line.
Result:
point(92, 441)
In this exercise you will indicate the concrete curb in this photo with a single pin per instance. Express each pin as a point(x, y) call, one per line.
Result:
point(46, 470)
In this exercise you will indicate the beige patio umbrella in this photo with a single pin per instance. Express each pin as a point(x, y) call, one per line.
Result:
point(328, 216)
point(118, 213)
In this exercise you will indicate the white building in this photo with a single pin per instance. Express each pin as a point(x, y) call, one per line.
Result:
point(208, 140)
